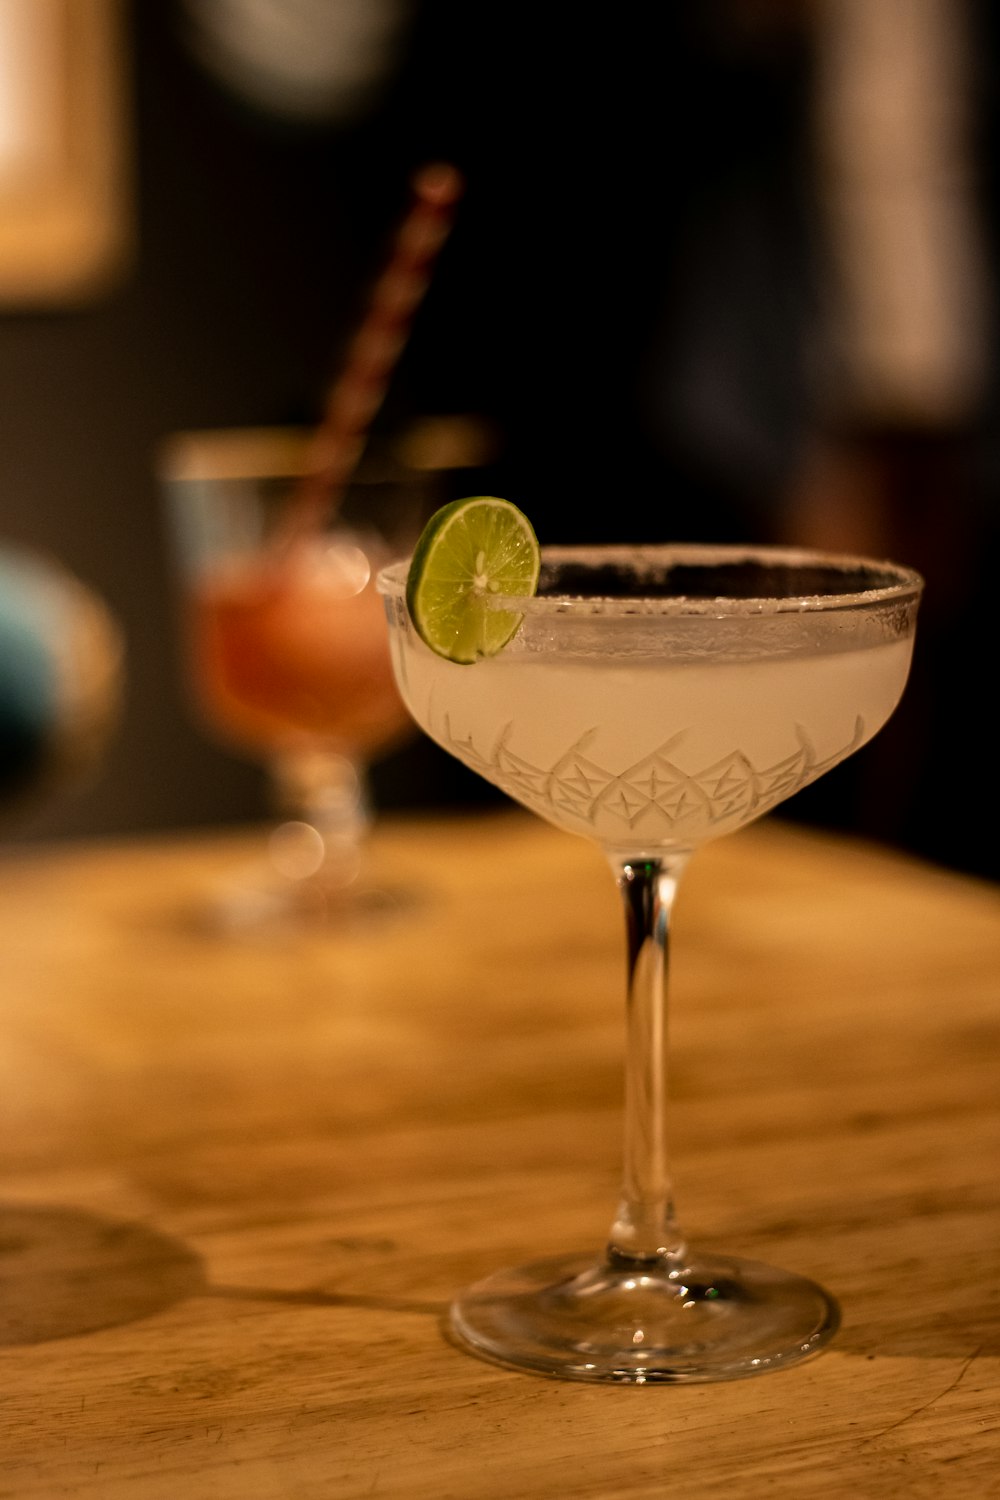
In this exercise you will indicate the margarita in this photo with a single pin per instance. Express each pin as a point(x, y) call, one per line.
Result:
point(661, 728)
point(653, 753)
point(651, 699)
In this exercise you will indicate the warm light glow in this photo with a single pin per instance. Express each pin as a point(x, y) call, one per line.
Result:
point(29, 117)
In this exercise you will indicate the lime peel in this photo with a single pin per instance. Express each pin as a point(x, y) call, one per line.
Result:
point(469, 550)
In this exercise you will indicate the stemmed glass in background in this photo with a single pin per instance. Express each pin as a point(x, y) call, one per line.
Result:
point(655, 698)
point(280, 535)
point(286, 650)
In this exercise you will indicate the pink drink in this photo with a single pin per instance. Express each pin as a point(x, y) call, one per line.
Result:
point(291, 651)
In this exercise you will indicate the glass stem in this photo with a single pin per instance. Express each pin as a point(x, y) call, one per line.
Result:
point(645, 1228)
point(325, 793)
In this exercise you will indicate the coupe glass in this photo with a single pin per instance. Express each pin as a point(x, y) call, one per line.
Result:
point(287, 654)
point(655, 698)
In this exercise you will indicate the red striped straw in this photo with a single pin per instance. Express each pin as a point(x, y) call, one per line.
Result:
point(359, 391)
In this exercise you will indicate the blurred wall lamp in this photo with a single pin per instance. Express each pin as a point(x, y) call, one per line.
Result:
point(65, 205)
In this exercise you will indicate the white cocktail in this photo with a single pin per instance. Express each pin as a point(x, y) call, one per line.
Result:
point(652, 699)
point(617, 737)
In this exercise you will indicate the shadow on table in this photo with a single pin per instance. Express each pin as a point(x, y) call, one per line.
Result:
point(316, 1297)
point(65, 1273)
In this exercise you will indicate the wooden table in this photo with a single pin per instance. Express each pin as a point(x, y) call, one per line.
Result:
point(242, 1176)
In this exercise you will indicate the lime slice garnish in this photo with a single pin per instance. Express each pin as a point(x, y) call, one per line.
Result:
point(469, 551)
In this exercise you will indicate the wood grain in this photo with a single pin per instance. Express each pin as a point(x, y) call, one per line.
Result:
point(242, 1177)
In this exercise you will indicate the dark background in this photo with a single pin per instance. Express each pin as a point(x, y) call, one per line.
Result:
point(629, 295)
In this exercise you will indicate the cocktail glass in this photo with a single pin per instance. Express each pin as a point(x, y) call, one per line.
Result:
point(655, 698)
point(286, 649)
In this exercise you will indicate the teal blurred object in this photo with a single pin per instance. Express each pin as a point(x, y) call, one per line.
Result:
point(61, 674)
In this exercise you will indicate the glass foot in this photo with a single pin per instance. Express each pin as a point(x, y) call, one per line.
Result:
point(644, 1322)
point(264, 904)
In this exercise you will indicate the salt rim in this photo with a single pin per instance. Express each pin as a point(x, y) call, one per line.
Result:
point(903, 583)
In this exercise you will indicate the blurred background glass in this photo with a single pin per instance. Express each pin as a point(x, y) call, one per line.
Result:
point(721, 272)
point(286, 650)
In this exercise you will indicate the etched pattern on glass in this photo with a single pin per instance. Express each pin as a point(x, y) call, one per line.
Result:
point(654, 790)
